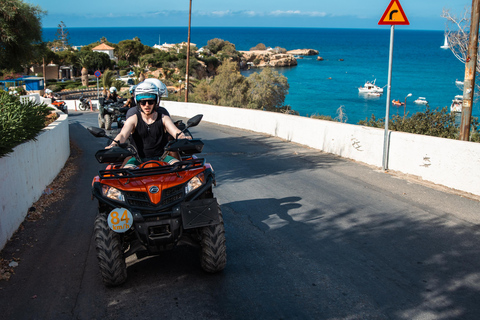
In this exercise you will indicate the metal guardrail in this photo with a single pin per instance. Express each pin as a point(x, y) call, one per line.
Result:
point(77, 93)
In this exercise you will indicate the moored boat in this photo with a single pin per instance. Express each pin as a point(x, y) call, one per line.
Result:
point(457, 103)
point(397, 103)
point(421, 100)
point(370, 87)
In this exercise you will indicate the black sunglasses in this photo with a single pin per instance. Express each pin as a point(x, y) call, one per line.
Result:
point(144, 102)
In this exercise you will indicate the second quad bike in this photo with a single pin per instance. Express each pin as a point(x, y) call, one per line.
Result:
point(156, 206)
point(109, 112)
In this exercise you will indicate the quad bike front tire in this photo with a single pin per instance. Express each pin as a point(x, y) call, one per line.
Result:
point(101, 123)
point(108, 122)
point(109, 253)
point(214, 251)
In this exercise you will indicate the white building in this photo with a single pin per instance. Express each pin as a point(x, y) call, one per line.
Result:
point(105, 49)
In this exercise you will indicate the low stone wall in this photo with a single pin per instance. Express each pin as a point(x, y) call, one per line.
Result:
point(451, 163)
point(26, 172)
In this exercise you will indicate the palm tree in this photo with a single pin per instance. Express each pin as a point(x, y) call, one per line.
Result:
point(84, 61)
point(108, 77)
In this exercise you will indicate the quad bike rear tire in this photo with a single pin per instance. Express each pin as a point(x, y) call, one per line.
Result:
point(214, 252)
point(108, 122)
point(101, 123)
point(109, 253)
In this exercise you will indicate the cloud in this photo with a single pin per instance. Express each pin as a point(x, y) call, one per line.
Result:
point(297, 13)
point(276, 13)
point(221, 13)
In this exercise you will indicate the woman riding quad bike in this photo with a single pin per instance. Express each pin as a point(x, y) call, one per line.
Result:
point(155, 205)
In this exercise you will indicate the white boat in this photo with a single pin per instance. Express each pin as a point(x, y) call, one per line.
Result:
point(369, 87)
point(457, 103)
point(445, 43)
point(421, 100)
point(459, 84)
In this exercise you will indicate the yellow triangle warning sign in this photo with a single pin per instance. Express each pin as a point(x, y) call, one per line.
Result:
point(394, 15)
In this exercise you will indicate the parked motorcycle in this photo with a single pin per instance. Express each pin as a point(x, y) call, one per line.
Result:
point(109, 112)
point(84, 104)
point(156, 207)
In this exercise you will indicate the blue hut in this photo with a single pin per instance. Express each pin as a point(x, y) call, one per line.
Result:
point(31, 83)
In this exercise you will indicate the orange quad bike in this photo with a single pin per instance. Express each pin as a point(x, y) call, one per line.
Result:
point(61, 105)
point(156, 206)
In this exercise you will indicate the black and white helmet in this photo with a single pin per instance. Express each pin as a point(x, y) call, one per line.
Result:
point(162, 88)
point(147, 91)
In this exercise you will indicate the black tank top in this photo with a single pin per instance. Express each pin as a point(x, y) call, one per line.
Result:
point(150, 139)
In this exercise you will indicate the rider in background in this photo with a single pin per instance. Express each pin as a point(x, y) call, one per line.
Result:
point(49, 95)
point(130, 103)
point(112, 94)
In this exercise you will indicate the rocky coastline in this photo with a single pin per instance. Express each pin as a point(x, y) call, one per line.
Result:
point(272, 58)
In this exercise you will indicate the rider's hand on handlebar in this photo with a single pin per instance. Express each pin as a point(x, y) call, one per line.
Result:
point(111, 145)
point(183, 136)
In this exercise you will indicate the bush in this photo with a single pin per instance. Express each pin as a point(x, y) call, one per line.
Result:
point(71, 86)
point(436, 123)
point(259, 46)
point(19, 122)
point(54, 88)
point(123, 73)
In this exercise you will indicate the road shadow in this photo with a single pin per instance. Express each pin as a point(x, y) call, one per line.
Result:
point(349, 261)
point(249, 157)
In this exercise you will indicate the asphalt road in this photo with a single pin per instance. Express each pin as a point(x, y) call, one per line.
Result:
point(309, 236)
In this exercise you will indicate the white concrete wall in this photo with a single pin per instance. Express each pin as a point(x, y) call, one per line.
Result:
point(26, 172)
point(451, 163)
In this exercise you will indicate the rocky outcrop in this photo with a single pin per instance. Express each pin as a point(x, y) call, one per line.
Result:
point(264, 58)
point(303, 52)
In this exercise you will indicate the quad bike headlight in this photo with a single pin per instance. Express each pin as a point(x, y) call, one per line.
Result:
point(195, 183)
point(113, 193)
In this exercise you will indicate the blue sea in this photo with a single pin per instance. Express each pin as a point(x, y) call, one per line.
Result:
point(420, 66)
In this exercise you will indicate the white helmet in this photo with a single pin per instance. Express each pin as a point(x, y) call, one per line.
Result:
point(162, 88)
point(48, 91)
point(113, 89)
point(146, 90)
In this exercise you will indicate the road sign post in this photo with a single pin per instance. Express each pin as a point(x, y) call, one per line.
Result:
point(97, 74)
point(394, 15)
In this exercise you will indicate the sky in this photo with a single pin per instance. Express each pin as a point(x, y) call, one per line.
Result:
point(422, 14)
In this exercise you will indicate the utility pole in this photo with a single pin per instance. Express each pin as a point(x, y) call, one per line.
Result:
point(470, 72)
point(188, 52)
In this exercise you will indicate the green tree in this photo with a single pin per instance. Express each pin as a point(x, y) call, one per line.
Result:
point(40, 52)
point(20, 30)
point(67, 57)
point(229, 88)
point(108, 77)
point(129, 50)
point(267, 89)
point(62, 36)
point(216, 45)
